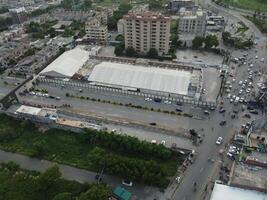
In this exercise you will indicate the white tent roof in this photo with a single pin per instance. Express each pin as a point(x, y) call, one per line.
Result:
point(134, 76)
point(223, 192)
point(67, 64)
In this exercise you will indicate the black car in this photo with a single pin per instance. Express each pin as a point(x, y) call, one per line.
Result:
point(254, 112)
point(178, 110)
point(153, 124)
point(247, 116)
point(98, 178)
point(158, 100)
point(222, 123)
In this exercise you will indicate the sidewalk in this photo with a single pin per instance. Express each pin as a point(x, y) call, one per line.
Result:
point(79, 175)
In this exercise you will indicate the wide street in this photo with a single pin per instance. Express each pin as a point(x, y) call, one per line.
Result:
point(203, 172)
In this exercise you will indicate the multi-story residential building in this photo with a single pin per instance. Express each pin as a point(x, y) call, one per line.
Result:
point(192, 22)
point(146, 30)
point(96, 32)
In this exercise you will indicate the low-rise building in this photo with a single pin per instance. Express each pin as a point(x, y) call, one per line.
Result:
point(248, 177)
point(175, 5)
point(19, 15)
point(226, 192)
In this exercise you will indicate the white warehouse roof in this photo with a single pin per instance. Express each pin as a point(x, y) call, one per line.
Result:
point(67, 64)
point(223, 192)
point(134, 76)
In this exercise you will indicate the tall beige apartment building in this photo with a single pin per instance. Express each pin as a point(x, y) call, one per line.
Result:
point(146, 30)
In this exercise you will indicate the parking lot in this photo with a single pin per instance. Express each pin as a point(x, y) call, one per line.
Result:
point(197, 56)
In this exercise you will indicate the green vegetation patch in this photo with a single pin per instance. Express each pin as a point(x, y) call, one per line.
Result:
point(255, 5)
point(260, 23)
point(119, 155)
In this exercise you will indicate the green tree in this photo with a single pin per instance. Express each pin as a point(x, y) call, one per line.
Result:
point(119, 50)
point(130, 52)
point(87, 4)
point(119, 38)
point(152, 53)
point(96, 192)
point(155, 4)
point(63, 196)
point(226, 36)
point(211, 41)
point(198, 42)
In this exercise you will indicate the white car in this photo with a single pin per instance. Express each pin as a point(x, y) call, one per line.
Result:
point(178, 179)
point(240, 91)
point(127, 183)
point(167, 102)
point(240, 82)
point(154, 141)
point(262, 60)
point(256, 57)
point(229, 96)
point(219, 140)
point(163, 142)
point(148, 99)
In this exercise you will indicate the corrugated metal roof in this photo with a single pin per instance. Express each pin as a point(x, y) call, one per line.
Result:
point(150, 78)
point(223, 192)
point(67, 64)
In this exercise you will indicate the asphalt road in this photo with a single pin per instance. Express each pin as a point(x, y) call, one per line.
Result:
point(203, 172)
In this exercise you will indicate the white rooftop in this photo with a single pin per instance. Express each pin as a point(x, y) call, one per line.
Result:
point(225, 192)
point(67, 64)
point(28, 110)
point(136, 76)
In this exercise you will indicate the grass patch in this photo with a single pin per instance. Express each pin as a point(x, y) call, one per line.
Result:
point(255, 5)
point(261, 24)
point(91, 149)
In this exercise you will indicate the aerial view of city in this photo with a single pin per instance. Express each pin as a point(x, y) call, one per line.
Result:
point(133, 99)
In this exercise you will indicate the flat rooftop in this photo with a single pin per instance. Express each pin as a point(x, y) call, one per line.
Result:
point(225, 192)
point(249, 176)
point(147, 78)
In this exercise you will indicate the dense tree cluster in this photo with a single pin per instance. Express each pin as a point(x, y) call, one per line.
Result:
point(117, 15)
point(235, 42)
point(146, 171)
point(41, 30)
point(209, 42)
point(128, 144)
point(5, 22)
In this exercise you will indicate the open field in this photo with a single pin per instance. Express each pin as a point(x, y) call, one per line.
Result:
point(255, 5)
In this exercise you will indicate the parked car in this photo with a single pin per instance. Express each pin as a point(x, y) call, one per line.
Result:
point(222, 123)
point(153, 123)
point(254, 112)
point(178, 110)
point(127, 183)
point(157, 100)
point(219, 140)
point(229, 155)
point(179, 103)
point(247, 116)
point(222, 110)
